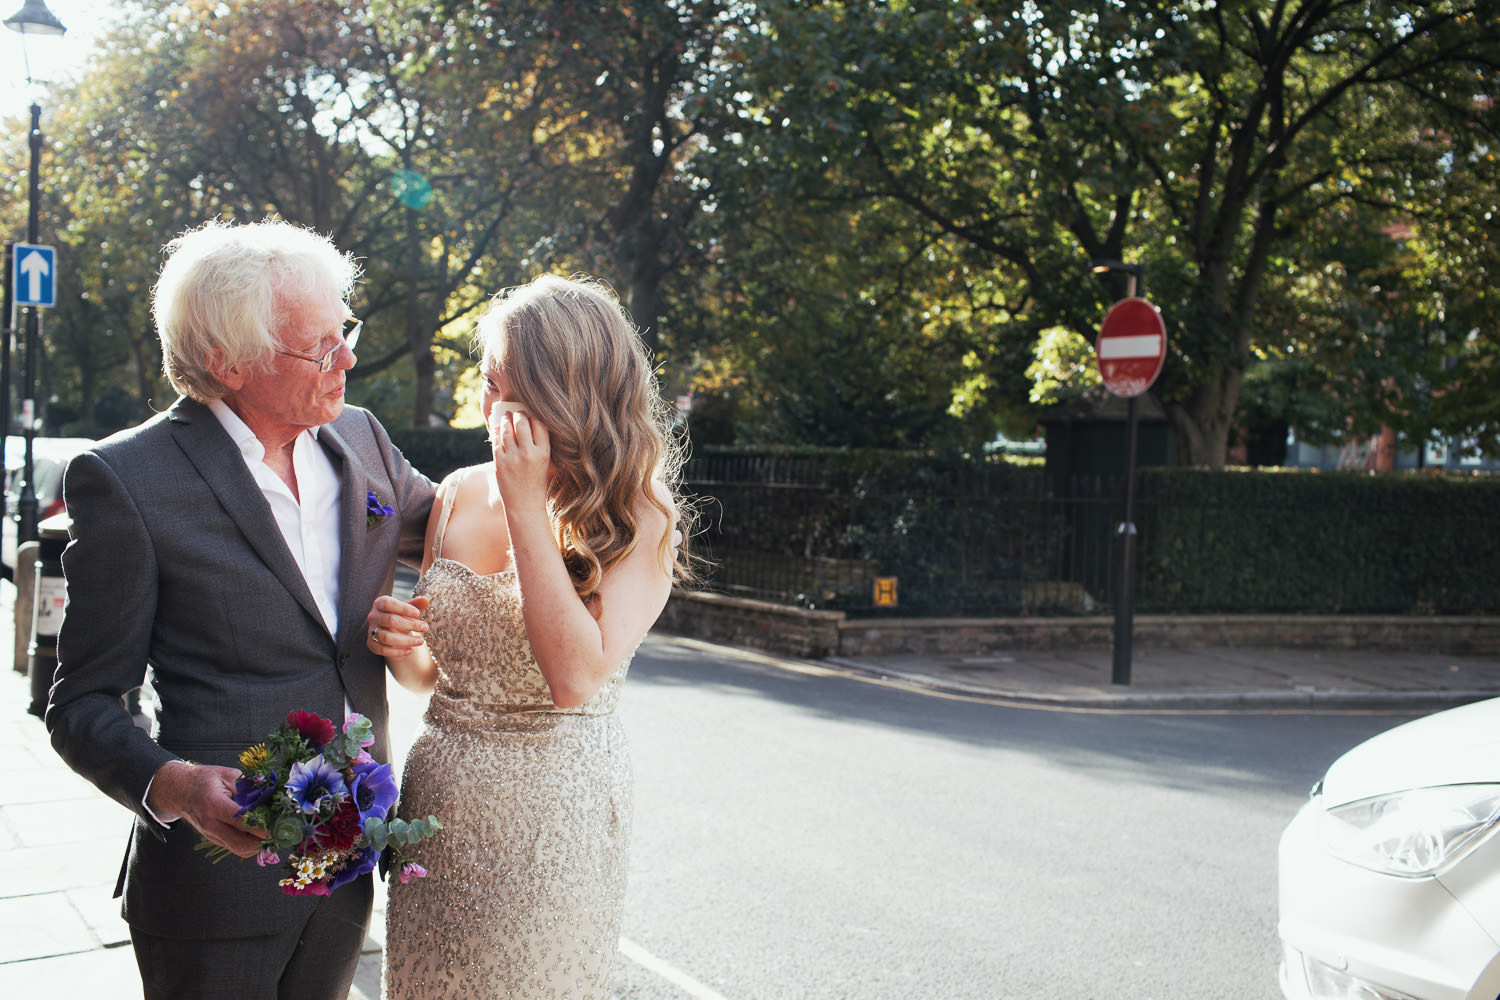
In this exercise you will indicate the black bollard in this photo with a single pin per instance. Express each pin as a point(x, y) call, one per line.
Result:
point(48, 597)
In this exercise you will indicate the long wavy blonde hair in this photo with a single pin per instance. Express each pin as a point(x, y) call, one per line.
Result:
point(574, 361)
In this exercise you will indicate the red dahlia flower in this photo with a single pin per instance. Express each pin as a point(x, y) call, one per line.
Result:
point(314, 728)
point(343, 827)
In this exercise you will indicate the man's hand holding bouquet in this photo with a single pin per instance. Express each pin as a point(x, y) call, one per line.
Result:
point(324, 804)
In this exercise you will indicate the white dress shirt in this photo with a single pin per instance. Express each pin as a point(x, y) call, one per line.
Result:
point(310, 527)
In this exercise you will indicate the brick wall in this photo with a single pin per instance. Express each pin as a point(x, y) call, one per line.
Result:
point(774, 628)
point(789, 631)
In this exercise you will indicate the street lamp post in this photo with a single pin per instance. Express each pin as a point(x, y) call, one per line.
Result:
point(1135, 283)
point(7, 335)
point(32, 19)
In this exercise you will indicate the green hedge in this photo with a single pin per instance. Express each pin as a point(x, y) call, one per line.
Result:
point(814, 527)
point(437, 451)
point(984, 536)
point(1318, 542)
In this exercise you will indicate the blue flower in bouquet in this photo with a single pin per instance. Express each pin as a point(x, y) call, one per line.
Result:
point(254, 791)
point(374, 789)
point(314, 784)
point(362, 862)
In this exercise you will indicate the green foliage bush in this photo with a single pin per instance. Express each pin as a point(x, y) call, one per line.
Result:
point(982, 536)
point(437, 451)
point(1318, 542)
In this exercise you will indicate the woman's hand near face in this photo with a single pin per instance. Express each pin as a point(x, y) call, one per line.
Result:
point(523, 455)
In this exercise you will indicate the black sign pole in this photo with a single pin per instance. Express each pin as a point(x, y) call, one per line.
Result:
point(1125, 604)
point(26, 531)
point(1125, 600)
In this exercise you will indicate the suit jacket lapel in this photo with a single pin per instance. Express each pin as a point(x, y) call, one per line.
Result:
point(213, 453)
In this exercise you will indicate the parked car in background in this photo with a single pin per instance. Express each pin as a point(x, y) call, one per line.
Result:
point(1389, 876)
point(49, 456)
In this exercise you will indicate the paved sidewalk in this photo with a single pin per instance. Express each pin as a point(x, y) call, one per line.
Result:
point(1214, 679)
point(61, 841)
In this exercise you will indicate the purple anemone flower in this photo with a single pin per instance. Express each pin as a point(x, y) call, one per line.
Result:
point(375, 510)
point(315, 783)
point(362, 862)
point(374, 790)
point(252, 793)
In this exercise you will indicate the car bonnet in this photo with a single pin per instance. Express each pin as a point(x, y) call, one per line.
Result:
point(1456, 747)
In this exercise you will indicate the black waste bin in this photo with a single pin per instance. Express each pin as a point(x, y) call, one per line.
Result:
point(48, 598)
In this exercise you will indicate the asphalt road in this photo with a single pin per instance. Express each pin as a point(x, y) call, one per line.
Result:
point(804, 834)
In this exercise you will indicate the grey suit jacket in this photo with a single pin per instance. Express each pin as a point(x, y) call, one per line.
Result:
point(175, 562)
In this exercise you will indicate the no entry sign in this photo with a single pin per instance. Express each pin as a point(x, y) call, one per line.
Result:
point(1131, 346)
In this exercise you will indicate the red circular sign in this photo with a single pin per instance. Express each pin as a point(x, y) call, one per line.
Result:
point(1131, 347)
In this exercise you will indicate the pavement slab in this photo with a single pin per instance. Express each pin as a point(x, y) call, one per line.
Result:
point(42, 926)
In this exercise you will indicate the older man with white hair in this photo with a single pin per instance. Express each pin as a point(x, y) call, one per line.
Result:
point(227, 546)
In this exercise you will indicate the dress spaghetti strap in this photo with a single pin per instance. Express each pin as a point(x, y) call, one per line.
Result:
point(437, 540)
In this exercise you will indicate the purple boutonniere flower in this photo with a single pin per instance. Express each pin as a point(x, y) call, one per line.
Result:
point(375, 511)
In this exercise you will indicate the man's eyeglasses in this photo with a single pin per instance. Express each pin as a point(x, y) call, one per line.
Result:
point(350, 333)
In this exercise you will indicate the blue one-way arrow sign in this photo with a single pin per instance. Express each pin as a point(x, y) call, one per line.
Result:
point(34, 275)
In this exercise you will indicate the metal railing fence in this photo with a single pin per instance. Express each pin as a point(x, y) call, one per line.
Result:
point(989, 538)
point(959, 538)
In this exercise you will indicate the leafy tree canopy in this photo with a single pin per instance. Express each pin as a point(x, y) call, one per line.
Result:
point(1200, 140)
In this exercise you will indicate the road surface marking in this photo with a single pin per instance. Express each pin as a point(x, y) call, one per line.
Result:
point(640, 956)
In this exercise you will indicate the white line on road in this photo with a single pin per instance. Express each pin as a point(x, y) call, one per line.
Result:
point(640, 956)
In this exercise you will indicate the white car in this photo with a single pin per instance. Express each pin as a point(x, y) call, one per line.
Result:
point(49, 457)
point(1389, 876)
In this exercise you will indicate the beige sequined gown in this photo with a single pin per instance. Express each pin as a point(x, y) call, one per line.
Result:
point(527, 876)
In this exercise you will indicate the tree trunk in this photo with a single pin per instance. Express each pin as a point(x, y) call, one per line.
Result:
point(1204, 420)
point(417, 338)
point(642, 304)
point(86, 395)
point(145, 369)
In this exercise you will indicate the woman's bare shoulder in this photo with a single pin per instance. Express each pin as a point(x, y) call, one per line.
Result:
point(466, 479)
point(464, 485)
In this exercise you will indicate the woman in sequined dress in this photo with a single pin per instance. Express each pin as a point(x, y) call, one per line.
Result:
point(544, 570)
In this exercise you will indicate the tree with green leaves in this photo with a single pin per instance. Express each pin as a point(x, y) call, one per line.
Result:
point(1196, 139)
point(614, 92)
point(321, 114)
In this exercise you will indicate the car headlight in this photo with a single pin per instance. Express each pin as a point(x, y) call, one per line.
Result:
point(1414, 833)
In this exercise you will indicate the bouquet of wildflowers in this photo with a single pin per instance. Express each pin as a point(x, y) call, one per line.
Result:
point(323, 802)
